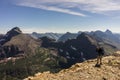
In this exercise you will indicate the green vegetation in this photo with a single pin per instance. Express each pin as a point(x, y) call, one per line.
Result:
point(42, 61)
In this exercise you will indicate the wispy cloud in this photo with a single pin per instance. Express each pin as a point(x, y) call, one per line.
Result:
point(53, 8)
point(68, 6)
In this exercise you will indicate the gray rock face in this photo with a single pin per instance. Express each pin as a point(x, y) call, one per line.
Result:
point(13, 32)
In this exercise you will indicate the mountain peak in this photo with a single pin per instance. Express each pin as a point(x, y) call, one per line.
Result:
point(108, 31)
point(68, 33)
point(14, 31)
point(34, 33)
point(67, 36)
point(83, 35)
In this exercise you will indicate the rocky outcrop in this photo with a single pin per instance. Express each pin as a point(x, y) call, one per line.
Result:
point(110, 70)
point(13, 32)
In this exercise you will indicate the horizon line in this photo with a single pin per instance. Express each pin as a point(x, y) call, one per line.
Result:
point(40, 32)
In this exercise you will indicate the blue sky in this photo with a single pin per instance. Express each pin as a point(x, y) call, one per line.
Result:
point(60, 15)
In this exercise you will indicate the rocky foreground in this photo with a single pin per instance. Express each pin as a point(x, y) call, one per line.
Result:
point(110, 70)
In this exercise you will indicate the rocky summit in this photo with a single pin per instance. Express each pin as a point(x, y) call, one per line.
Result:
point(15, 43)
point(109, 70)
point(7, 37)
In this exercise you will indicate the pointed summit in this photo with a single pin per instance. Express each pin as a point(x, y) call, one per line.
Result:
point(86, 37)
point(13, 32)
point(108, 31)
point(82, 34)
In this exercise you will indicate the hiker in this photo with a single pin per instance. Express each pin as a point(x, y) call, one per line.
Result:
point(100, 52)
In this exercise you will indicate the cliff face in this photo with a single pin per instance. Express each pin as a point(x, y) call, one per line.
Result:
point(7, 37)
point(110, 70)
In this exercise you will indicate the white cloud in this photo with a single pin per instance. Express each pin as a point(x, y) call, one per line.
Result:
point(52, 8)
point(43, 5)
point(67, 6)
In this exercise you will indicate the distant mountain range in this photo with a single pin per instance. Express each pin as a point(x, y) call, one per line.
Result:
point(107, 37)
point(67, 36)
point(16, 38)
point(50, 51)
point(62, 42)
point(55, 36)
